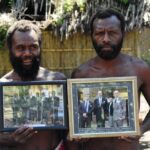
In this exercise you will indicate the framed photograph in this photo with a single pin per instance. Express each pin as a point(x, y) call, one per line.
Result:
point(39, 104)
point(103, 107)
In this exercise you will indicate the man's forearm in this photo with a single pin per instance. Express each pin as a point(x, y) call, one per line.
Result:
point(145, 126)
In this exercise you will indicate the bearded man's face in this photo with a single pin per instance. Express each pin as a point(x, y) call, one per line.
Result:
point(25, 54)
point(107, 37)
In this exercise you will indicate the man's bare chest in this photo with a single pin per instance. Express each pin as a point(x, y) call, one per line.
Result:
point(110, 72)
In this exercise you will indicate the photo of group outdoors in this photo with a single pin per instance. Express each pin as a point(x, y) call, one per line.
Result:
point(103, 108)
point(33, 105)
point(97, 109)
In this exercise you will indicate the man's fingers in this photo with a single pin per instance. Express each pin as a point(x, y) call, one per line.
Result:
point(125, 139)
point(129, 138)
point(22, 134)
point(27, 136)
point(20, 130)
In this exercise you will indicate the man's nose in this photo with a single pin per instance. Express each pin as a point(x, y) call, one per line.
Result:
point(106, 38)
point(27, 51)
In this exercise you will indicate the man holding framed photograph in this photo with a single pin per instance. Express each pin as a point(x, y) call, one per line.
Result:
point(24, 44)
point(107, 34)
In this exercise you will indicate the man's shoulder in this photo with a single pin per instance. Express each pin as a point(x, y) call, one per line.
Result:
point(7, 77)
point(82, 70)
point(45, 74)
point(135, 60)
point(136, 64)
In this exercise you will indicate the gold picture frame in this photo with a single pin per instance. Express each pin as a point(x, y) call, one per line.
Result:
point(79, 126)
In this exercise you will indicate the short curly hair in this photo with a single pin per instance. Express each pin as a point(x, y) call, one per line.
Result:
point(22, 26)
point(105, 13)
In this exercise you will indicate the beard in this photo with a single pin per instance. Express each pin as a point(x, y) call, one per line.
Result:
point(25, 72)
point(108, 55)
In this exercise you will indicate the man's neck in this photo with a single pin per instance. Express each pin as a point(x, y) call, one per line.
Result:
point(100, 60)
point(16, 77)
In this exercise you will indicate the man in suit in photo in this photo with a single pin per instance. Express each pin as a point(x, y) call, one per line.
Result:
point(100, 109)
point(54, 100)
point(110, 111)
point(85, 111)
point(119, 109)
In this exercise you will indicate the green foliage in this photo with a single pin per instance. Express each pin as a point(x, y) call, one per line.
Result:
point(10, 2)
point(6, 5)
point(59, 21)
point(82, 7)
point(67, 7)
point(3, 31)
point(124, 1)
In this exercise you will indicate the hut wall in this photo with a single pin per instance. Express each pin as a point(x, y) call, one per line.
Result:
point(68, 54)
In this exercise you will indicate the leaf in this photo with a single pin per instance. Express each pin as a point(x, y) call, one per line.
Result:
point(124, 1)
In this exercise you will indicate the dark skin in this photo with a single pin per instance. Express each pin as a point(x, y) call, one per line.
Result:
point(25, 46)
point(107, 31)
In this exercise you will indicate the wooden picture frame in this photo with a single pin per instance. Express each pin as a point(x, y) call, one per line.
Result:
point(39, 104)
point(84, 124)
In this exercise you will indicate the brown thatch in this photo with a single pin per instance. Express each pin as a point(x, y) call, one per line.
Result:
point(133, 10)
point(64, 23)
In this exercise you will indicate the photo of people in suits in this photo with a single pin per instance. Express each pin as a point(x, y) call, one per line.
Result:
point(34, 105)
point(102, 107)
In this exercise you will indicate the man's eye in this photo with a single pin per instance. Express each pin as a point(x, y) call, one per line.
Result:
point(20, 48)
point(112, 33)
point(100, 33)
point(35, 46)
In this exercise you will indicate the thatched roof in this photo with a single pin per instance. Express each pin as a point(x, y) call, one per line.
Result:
point(65, 19)
point(136, 12)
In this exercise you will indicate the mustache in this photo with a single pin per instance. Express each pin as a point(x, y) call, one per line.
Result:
point(101, 46)
point(24, 72)
point(107, 54)
point(26, 57)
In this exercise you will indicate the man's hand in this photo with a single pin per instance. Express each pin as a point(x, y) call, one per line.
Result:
point(129, 138)
point(22, 134)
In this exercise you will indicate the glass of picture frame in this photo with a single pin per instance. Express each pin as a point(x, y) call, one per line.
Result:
point(38, 104)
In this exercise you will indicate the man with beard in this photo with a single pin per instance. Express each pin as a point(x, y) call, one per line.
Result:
point(107, 33)
point(24, 44)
